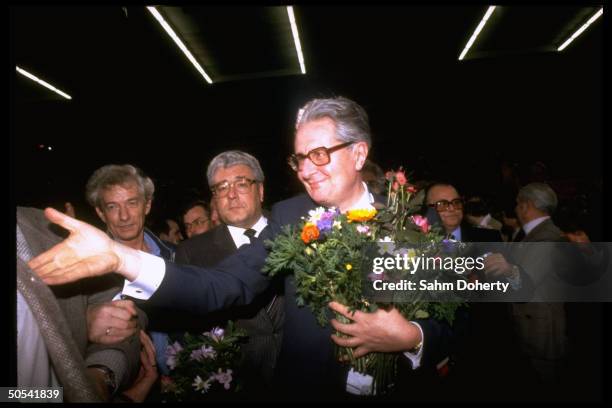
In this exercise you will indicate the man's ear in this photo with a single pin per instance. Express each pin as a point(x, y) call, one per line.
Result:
point(148, 207)
point(361, 154)
point(101, 214)
point(261, 191)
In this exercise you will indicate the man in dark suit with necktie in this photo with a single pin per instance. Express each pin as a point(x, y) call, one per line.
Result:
point(236, 180)
point(331, 144)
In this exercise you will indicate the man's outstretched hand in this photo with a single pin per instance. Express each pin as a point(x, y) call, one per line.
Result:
point(85, 253)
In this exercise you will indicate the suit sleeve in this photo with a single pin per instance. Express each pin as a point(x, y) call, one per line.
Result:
point(440, 339)
point(122, 358)
point(182, 254)
point(234, 281)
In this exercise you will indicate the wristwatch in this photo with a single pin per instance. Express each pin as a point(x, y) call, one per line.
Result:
point(417, 348)
point(109, 377)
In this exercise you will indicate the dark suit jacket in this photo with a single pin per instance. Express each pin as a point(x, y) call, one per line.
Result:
point(73, 299)
point(470, 233)
point(307, 367)
point(262, 319)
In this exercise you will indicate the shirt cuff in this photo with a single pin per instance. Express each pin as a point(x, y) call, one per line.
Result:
point(150, 277)
point(415, 359)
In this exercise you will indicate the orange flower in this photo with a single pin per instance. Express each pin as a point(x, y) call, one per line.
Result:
point(310, 233)
point(361, 215)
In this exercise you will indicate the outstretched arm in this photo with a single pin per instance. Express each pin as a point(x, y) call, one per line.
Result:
point(85, 253)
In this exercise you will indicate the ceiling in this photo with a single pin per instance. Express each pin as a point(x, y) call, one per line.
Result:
point(137, 99)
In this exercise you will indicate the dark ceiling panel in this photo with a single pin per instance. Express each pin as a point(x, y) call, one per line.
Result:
point(233, 43)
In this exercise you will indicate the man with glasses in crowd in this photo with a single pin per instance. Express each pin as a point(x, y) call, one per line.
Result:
point(445, 199)
point(236, 182)
point(196, 218)
point(331, 145)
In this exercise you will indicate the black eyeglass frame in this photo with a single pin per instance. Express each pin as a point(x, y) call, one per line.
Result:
point(295, 159)
point(457, 203)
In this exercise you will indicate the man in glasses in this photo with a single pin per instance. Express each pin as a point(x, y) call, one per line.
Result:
point(445, 199)
point(196, 218)
point(236, 182)
point(331, 145)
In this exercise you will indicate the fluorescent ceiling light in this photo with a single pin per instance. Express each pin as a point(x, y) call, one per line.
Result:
point(178, 42)
point(477, 31)
point(581, 29)
point(43, 83)
point(296, 38)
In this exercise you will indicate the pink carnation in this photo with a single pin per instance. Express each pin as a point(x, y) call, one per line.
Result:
point(421, 222)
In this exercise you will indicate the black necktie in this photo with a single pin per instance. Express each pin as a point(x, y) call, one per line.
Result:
point(250, 233)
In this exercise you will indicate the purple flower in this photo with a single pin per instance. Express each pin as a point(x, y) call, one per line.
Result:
point(325, 223)
point(202, 353)
point(224, 378)
point(172, 352)
point(216, 334)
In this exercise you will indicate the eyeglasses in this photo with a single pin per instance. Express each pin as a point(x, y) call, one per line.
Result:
point(444, 205)
point(196, 223)
point(242, 185)
point(319, 156)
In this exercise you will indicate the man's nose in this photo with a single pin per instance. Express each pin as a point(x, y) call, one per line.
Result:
point(307, 168)
point(123, 213)
point(232, 192)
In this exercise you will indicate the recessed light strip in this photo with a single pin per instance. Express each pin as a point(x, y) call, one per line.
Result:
point(178, 42)
point(43, 83)
point(296, 38)
point(477, 31)
point(581, 29)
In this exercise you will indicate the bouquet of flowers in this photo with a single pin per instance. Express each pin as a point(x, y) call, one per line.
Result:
point(326, 254)
point(203, 364)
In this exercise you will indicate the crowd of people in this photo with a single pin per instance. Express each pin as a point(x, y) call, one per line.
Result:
point(142, 283)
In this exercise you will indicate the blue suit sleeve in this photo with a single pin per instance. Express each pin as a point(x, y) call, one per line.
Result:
point(234, 281)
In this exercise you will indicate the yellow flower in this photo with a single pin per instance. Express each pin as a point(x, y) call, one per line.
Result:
point(361, 215)
point(349, 267)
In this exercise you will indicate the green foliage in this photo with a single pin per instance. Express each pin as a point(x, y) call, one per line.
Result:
point(329, 267)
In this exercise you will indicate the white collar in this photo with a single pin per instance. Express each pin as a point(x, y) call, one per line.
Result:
point(237, 233)
point(534, 223)
point(365, 201)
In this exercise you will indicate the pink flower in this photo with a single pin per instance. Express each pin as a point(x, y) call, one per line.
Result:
point(224, 378)
point(401, 177)
point(421, 222)
point(395, 186)
point(389, 175)
point(412, 189)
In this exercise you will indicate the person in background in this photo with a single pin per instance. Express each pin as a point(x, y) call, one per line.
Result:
point(196, 218)
point(122, 196)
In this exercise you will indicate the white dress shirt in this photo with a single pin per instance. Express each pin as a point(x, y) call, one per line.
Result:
point(528, 227)
point(238, 236)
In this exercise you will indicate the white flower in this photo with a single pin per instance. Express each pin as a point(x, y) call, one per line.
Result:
point(198, 384)
point(315, 215)
point(337, 225)
point(386, 246)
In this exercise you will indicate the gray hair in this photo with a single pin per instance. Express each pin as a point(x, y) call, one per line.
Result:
point(350, 118)
point(541, 195)
point(232, 158)
point(115, 174)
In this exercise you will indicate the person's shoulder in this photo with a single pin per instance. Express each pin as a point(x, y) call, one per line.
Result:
point(297, 202)
point(476, 234)
point(204, 239)
point(290, 210)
